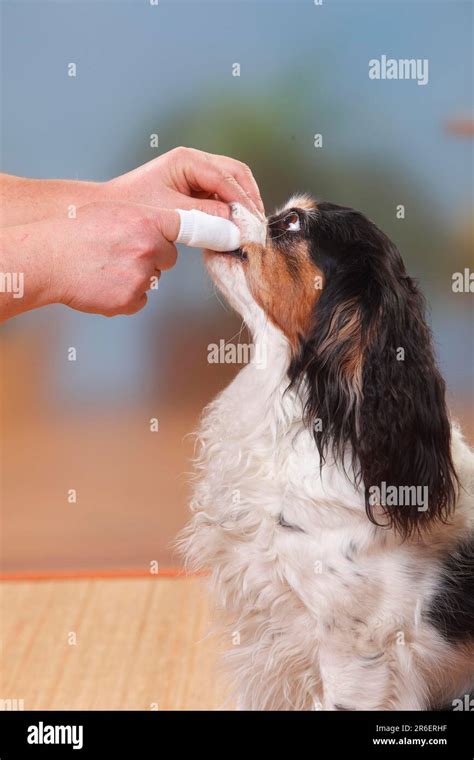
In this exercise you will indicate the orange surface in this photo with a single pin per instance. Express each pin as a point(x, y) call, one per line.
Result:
point(44, 575)
point(109, 644)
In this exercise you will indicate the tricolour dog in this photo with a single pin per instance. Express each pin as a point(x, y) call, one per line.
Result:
point(334, 499)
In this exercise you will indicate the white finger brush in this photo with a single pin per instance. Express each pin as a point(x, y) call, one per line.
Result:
point(200, 230)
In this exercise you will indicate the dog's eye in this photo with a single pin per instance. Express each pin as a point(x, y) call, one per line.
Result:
point(292, 222)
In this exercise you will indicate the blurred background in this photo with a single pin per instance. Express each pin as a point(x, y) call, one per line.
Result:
point(166, 69)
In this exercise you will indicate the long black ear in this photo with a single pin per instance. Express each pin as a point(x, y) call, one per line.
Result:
point(372, 386)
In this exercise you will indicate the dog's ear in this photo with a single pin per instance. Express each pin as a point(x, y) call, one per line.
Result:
point(372, 387)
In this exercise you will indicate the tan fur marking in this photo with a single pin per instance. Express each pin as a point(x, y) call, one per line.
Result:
point(288, 300)
point(350, 334)
point(303, 201)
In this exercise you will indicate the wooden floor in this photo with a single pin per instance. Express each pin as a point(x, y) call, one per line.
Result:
point(140, 644)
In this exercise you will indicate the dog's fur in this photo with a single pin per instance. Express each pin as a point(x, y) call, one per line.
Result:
point(329, 599)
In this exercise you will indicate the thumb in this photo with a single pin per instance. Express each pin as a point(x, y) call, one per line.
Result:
point(168, 223)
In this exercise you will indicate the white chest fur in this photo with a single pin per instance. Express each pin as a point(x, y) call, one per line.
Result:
point(300, 573)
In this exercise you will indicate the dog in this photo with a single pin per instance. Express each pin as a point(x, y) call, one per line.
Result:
point(333, 503)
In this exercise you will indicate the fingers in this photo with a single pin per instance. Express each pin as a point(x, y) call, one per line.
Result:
point(136, 307)
point(206, 205)
point(245, 178)
point(166, 254)
point(167, 223)
point(229, 179)
point(141, 301)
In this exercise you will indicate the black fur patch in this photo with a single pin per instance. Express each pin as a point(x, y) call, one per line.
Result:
point(284, 524)
point(368, 367)
point(451, 611)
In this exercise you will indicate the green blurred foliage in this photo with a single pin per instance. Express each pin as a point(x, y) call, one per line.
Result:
point(273, 133)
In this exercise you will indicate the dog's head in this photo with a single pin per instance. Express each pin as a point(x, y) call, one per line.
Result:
point(360, 350)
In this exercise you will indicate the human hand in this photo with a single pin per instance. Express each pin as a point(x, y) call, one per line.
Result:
point(189, 179)
point(100, 262)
